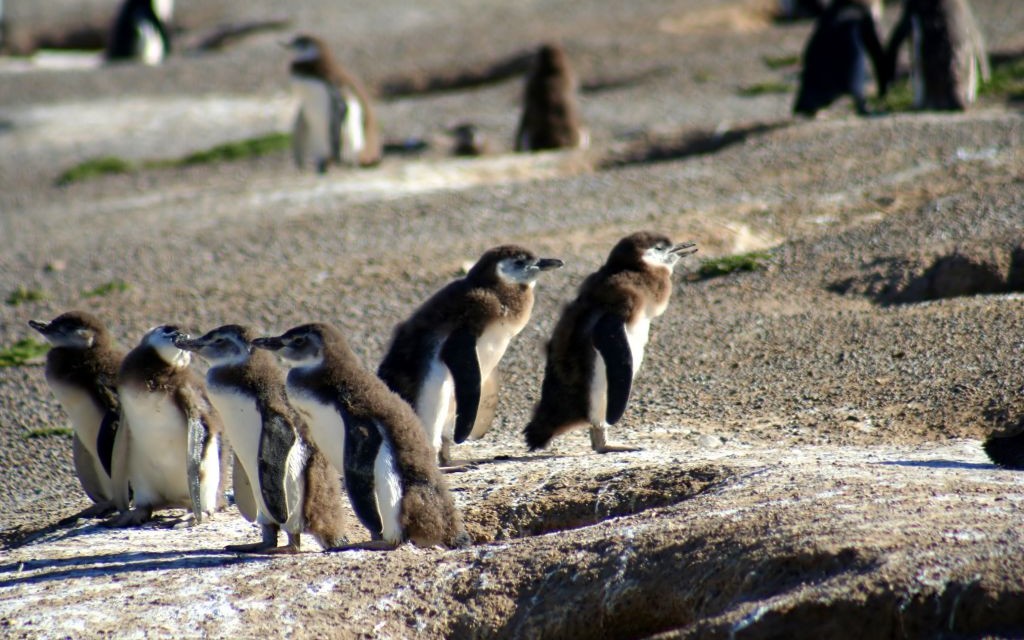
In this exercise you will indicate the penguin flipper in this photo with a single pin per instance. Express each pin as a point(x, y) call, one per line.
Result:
point(105, 440)
point(193, 461)
point(244, 497)
point(610, 340)
point(459, 354)
point(119, 467)
point(276, 441)
point(362, 444)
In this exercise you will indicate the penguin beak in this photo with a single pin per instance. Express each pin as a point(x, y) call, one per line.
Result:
point(547, 264)
point(184, 341)
point(41, 327)
point(270, 344)
point(683, 249)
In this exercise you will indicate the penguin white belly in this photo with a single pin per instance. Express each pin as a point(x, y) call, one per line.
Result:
point(326, 426)
point(353, 140)
point(436, 397)
point(316, 106)
point(637, 335)
point(387, 486)
point(158, 440)
point(491, 346)
point(150, 48)
point(242, 424)
point(85, 418)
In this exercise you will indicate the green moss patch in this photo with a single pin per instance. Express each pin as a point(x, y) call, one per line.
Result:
point(50, 432)
point(22, 352)
point(106, 288)
point(23, 294)
point(724, 265)
point(765, 88)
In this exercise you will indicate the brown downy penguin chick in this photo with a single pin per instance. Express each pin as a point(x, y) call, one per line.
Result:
point(1006, 451)
point(293, 485)
point(391, 477)
point(81, 369)
point(443, 360)
point(551, 116)
point(598, 343)
point(336, 121)
point(174, 433)
point(948, 57)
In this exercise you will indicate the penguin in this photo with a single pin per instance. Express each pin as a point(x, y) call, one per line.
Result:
point(833, 60)
point(292, 484)
point(81, 369)
point(140, 32)
point(598, 344)
point(948, 58)
point(1006, 451)
point(468, 141)
point(443, 360)
point(336, 121)
point(551, 116)
point(174, 433)
point(391, 478)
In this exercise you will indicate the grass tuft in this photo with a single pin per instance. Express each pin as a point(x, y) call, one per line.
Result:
point(23, 294)
point(47, 432)
point(1006, 80)
point(780, 62)
point(765, 88)
point(22, 352)
point(106, 288)
point(106, 165)
point(751, 261)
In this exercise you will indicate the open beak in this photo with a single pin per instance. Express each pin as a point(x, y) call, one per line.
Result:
point(547, 264)
point(683, 249)
point(270, 344)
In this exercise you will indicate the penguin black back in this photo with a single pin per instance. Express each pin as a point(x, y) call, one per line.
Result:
point(834, 58)
point(136, 20)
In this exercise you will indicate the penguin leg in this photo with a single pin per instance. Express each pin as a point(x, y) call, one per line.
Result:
point(293, 546)
point(599, 440)
point(98, 510)
point(321, 166)
point(269, 541)
point(133, 518)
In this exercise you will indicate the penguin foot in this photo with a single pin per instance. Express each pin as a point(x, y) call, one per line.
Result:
point(253, 547)
point(369, 545)
point(134, 518)
point(458, 466)
point(287, 549)
point(611, 448)
point(98, 510)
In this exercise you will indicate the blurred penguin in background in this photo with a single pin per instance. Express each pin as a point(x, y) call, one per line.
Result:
point(140, 32)
point(551, 115)
point(834, 62)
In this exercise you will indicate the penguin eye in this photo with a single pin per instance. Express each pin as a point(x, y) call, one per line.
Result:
point(298, 342)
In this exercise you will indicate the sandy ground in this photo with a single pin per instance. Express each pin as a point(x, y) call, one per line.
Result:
point(811, 432)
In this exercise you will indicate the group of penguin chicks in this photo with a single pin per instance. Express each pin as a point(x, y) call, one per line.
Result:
point(948, 57)
point(149, 433)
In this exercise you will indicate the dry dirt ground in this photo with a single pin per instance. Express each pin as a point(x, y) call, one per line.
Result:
point(811, 432)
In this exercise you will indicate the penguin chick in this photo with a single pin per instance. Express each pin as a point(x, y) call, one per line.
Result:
point(81, 369)
point(443, 360)
point(174, 433)
point(551, 116)
point(336, 121)
point(1006, 451)
point(833, 60)
point(598, 344)
point(391, 478)
point(139, 32)
point(292, 483)
point(948, 58)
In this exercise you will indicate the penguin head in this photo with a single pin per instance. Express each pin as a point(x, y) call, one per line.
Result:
point(307, 48)
point(74, 329)
point(646, 249)
point(225, 345)
point(162, 339)
point(302, 346)
point(510, 264)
